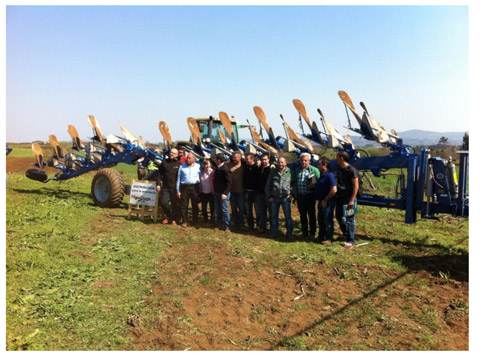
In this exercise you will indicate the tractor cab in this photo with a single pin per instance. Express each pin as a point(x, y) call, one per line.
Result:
point(210, 126)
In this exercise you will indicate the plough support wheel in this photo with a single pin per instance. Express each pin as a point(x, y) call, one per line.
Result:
point(108, 188)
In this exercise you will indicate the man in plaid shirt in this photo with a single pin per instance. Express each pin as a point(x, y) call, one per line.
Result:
point(303, 189)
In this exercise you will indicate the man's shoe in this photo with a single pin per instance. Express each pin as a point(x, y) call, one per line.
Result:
point(260, 231)
point(165, 221)
point(228, 231)
point(327, 242)
point(184, 225)
point(349, 245)
point(197, 226)
point(174, 223)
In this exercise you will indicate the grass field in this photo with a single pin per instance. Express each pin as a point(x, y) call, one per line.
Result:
point(84, 278)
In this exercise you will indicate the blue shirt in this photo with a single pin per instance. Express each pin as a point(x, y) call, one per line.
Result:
point(324, 185)
point(188, 175)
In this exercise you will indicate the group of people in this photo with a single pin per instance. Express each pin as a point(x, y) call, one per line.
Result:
point(255, 190)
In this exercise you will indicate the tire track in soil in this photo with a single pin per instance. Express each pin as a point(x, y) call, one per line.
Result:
point(209, 299)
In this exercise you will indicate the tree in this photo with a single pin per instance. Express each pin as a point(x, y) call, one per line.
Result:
point(443, 140)
point(465, 142)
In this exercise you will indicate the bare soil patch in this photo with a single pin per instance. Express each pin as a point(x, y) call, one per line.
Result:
point(21, 165)
point(209, 298)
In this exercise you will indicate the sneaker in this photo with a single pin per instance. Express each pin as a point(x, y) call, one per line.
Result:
point(327, 242)
point(184, 225)
point(228, 231)
point(349, 245)
point(174, 223)
point(165, 221)
point(197, 226)
point(260, 231)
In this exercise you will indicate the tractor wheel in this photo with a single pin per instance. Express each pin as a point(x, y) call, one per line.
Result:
point(107, 188)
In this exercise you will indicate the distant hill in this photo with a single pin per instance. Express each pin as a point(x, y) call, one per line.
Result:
point(417, 138)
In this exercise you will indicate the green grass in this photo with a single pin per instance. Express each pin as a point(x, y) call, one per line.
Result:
point(75, 273)
point(70, 287)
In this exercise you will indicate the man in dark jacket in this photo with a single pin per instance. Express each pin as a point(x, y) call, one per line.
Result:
point(262, 204)
point(250, 184)
point(166, 179)
point(222, 184)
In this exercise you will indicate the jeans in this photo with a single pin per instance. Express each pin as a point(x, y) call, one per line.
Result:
point(287, 211)
point(208, 200)
point(250, 199)
point(237, 203)
point(221, 208)
point(189, 192)
point(172, 212)
point(347, 224)
point(306, 208)
point(262, 205)
point(325, 220)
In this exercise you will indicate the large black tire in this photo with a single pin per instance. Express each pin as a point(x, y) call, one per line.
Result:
point(36, 174)
point(108, 188)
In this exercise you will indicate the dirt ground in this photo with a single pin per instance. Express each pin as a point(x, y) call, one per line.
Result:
point(20, 165)
point(235, 305)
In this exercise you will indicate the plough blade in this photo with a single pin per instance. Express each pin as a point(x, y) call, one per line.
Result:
point(96, 130)
point(263, 120)
point(302, 111)
point(37, 151)
point(165, 131)
point(59, 151)
point(77, 143)
point(130, 137)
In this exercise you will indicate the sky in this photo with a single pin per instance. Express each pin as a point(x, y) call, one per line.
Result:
point(139, 65)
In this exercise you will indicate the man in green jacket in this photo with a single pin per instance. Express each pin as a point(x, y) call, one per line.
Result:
point(303, 189)
point(278, 191)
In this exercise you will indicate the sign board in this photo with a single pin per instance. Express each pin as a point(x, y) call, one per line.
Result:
point(143, 193)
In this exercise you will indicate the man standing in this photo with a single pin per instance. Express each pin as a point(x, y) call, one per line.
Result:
point(188, 189)
point(249, 185)
point(347, 188)
point(303, 187)
point(166, 180)
point(181, 155)
point(222, 183)
point(325, 191)
point(262, 203)
point(237, 195)
point(278, 192)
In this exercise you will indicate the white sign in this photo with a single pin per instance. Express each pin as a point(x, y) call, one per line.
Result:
point(143, 193)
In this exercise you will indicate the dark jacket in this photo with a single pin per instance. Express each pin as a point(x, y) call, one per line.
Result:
point(167, 173)
point(262, 178)
point(250, 177)
point(222, 179)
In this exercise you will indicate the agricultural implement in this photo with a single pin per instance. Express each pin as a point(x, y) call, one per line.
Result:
point(101, 154)
point(429, 186)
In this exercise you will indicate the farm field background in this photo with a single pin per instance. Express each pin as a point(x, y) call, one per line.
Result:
point(84, 278)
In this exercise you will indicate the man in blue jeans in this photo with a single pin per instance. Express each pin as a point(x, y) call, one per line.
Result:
point(347, 189)
point(222, 184)
point(262, 205)
point(325, 191)
point(278, 191)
